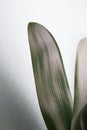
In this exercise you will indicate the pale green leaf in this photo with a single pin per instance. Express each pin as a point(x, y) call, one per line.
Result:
point(51, 83)
point(79, 121)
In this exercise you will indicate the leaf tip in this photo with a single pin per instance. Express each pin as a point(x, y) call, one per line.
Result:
point(33, 24)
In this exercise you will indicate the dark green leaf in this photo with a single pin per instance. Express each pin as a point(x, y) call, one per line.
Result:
point(51, 83)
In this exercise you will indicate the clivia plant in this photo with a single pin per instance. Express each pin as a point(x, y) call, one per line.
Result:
point(52, 87)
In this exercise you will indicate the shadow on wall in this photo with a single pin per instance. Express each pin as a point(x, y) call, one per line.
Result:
point(14, 113)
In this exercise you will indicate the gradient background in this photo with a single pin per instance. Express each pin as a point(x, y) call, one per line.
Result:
point(67, 21)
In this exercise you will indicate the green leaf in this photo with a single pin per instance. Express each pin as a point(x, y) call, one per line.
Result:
point(79, 121)
point(51, 83)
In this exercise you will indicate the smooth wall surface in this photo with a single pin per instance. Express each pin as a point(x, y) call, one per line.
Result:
point(67, 21)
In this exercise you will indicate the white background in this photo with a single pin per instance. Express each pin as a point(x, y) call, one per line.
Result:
point(67, 21)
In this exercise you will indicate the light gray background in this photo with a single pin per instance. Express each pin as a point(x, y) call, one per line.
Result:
point(67, 21)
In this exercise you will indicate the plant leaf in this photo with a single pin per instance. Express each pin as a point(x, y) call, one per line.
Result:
point(79, 121)
point(51, 83)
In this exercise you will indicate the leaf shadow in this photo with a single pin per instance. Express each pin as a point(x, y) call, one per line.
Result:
point(81, 121)
point(15, 113)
